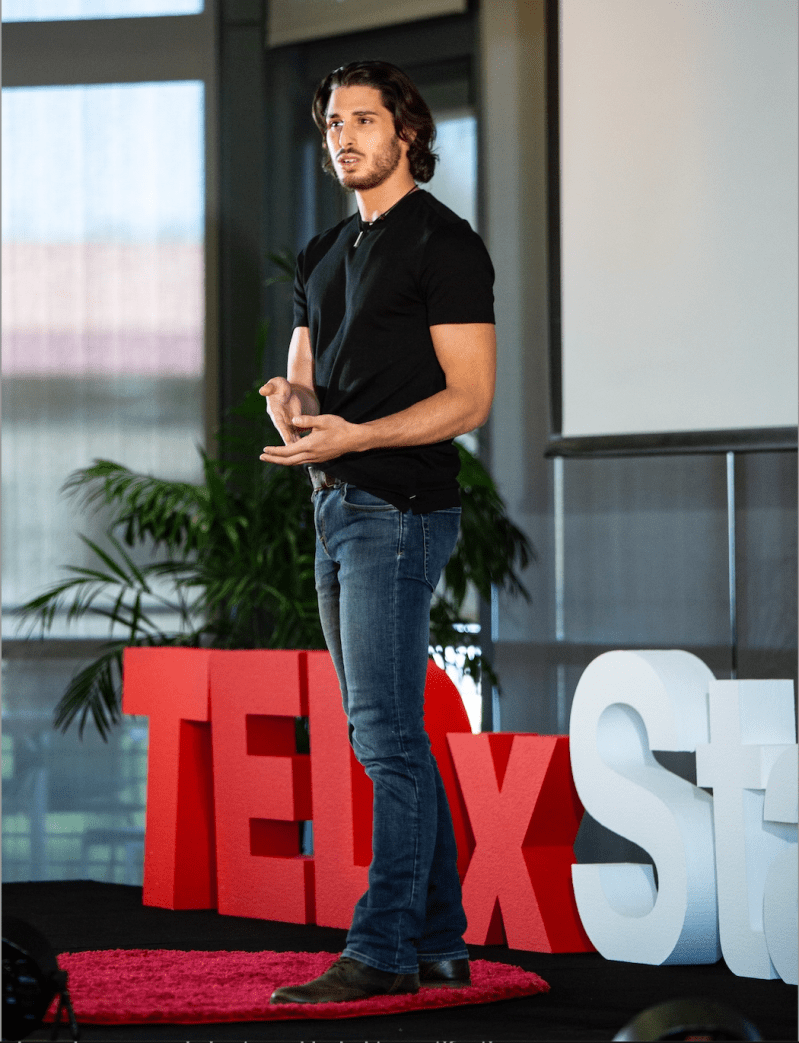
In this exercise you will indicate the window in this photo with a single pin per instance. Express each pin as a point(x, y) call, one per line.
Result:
point(455, 179)
point(104, 304)
point(57, 10)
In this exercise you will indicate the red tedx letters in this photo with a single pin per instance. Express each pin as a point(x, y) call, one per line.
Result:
point(227, 792)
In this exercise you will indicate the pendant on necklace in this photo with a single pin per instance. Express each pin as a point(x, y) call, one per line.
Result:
point(380, 217)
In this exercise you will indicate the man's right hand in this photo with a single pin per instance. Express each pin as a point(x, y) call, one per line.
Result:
point(284, 401)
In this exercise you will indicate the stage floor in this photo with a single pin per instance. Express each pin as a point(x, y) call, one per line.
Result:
point(590, 998)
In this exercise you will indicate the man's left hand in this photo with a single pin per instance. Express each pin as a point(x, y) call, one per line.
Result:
point(328, 438)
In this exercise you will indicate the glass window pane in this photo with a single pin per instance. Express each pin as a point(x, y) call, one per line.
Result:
point(455, 179)
point(73, 809)
point(58, 10)
point(103, 306)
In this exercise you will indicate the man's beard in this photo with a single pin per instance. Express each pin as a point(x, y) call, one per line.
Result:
point(382, 167)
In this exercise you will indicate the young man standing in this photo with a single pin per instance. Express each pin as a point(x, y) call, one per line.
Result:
point(392, 356)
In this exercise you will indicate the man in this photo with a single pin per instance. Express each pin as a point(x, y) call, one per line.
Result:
point(392, 356)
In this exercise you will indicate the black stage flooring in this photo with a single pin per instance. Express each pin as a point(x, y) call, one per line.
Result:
point(590, 999)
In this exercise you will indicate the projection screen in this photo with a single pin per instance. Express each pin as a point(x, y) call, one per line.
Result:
point(678, 215)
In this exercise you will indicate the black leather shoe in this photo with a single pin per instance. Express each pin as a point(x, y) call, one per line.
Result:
point(347, 979)
point(444, 974)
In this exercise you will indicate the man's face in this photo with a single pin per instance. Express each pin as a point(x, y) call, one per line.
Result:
point(361, 138)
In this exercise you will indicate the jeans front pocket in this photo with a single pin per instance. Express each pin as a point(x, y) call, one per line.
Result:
point(359, 500)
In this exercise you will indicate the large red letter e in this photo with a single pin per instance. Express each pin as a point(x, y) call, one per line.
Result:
point(262, 786)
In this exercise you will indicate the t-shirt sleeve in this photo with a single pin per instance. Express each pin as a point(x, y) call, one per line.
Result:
point(300, 300)
point(457, 277)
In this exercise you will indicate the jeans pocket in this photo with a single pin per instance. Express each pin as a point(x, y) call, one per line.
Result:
point(359, 500)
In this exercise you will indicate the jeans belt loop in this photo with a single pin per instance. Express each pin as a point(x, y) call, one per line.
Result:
point(320, 480)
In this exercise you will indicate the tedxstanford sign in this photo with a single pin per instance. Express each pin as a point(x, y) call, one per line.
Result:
point(726, 864)
point(227, 792)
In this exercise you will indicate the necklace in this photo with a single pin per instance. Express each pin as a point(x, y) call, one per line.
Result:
point(380, 217)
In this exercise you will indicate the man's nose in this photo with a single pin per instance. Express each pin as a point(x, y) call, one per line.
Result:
point(345, 136)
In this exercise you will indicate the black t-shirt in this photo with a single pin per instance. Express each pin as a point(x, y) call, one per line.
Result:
point(369, 310)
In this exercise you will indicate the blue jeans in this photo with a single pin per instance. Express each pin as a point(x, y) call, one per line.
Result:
point(376, 569)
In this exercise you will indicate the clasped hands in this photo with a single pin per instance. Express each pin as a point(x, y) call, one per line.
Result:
point(309, 437)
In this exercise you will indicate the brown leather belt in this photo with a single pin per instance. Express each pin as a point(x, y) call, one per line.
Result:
point(320, 480)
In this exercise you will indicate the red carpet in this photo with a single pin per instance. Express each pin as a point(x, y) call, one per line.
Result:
point(137, 986)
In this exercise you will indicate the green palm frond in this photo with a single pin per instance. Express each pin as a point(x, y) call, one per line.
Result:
point(93, 693)
point(113, 589)
point(491, 550)
point(143, 507)
point(285, 262)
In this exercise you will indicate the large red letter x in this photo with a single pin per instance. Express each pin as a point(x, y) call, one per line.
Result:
point(524, 812)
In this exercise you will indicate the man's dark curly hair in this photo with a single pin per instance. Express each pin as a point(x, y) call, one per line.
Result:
point(412, 119)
